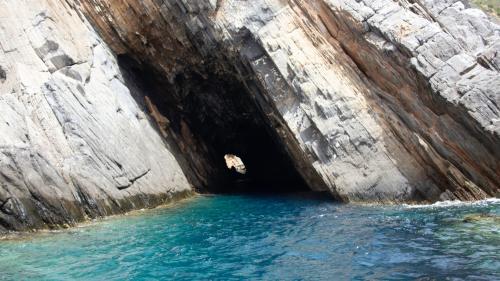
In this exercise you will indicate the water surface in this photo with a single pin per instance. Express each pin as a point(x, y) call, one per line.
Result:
point(274, 237)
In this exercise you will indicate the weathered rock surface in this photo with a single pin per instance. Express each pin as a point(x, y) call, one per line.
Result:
point(373, 100)
point(74, 143)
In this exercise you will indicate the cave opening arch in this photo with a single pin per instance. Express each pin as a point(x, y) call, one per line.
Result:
point(207, 114)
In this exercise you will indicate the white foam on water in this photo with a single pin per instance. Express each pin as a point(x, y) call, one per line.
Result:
point(455, 203)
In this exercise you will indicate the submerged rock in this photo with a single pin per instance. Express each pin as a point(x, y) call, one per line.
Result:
point(491, 218)
point(108, 106)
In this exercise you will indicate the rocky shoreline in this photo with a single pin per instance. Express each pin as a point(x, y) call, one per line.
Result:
point(14, 235)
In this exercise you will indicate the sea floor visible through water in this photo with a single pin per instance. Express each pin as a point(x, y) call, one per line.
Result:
point(269, 237)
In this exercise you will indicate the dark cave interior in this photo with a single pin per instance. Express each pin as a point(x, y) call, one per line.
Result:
point(211, 115)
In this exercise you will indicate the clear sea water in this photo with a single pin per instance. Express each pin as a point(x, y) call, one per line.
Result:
point(271, 237)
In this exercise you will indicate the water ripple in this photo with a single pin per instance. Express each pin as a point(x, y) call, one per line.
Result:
point(269, 238)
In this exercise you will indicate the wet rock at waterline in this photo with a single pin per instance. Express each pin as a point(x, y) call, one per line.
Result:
point(109, 106)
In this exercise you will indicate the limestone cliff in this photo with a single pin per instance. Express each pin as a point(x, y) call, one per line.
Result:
point(372, 100)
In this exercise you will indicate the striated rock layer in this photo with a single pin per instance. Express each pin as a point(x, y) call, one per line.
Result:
point(74, 144)
point(372, 100)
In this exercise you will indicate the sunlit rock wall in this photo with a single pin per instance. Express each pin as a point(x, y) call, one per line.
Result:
point(74, 144)
point(373, 100)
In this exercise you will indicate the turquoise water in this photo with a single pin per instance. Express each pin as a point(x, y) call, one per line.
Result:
point(273, 237)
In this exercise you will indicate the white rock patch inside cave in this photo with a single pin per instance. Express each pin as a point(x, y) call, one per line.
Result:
point(233, 161)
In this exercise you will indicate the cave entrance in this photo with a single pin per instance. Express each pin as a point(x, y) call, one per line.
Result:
point(213, 119)
point(255, 163)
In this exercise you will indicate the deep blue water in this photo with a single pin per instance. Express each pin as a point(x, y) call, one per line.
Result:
point(273, 237)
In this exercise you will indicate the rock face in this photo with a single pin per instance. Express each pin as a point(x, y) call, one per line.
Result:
point(74, 143)
point(372, 100)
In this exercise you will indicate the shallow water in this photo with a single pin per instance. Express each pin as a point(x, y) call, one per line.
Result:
point(272, 237)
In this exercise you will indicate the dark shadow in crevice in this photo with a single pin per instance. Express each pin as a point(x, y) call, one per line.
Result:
point(208, 114)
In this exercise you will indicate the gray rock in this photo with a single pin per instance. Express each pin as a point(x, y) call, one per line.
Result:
point(376, 100)
point(66, 154)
